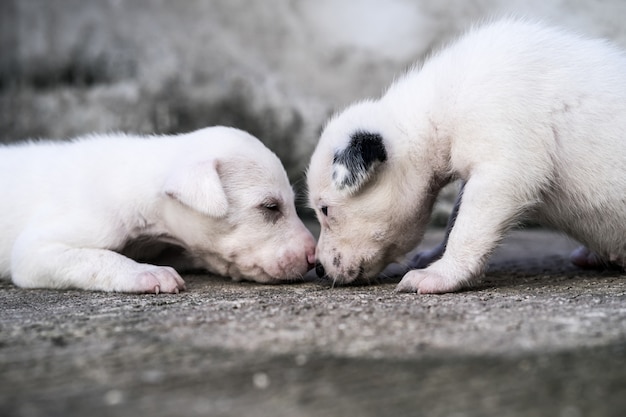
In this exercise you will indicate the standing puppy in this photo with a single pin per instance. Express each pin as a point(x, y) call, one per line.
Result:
point(67, 209)
point(531, 118)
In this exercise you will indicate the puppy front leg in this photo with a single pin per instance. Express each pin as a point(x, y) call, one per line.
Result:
point(36, 264)
point(488, 207)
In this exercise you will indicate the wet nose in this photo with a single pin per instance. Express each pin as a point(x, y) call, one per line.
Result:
point(319, 270)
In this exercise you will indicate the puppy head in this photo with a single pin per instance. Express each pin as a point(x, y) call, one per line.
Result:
point(371, 202)
point(232, 207)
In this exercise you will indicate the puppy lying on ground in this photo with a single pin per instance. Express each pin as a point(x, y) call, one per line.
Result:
point(531, 118)
point(218, 193)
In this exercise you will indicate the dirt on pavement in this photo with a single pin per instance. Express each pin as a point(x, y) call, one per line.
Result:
point(535, 337)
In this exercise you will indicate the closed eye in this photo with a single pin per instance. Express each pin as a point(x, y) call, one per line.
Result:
point(271, 206)
point(271, 209)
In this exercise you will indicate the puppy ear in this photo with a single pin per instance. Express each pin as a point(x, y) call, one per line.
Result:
point(199, 187)
point(354, 165)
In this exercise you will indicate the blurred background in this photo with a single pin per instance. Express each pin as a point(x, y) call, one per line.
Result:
point(276, 68)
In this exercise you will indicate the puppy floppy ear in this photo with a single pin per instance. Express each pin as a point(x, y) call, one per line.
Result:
point(199, 187)
point(354, 165)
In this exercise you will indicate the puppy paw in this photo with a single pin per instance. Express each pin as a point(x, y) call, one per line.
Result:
point(159, 279)
point(427, 282)
point(410, 281)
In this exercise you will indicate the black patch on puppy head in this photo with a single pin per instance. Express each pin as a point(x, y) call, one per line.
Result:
point(353, 165)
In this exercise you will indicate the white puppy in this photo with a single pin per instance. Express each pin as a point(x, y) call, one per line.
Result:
point(531, 118)
point(68, 208)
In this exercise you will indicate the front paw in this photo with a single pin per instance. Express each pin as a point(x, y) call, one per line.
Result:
point(427, 281)
point(156, 279)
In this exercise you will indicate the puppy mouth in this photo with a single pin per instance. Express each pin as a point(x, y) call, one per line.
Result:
point(353, 276)
point(233, 267)
point(359, 277)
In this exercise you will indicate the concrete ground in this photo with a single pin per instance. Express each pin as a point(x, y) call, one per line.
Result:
point(535, 337)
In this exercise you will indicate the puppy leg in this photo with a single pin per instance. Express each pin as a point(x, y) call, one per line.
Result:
point(487, 210)
point(44, 264)
point(424, 258)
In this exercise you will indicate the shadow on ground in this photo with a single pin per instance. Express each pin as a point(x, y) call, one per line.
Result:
point(535, 337)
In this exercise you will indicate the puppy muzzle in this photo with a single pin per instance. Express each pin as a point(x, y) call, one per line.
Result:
point(356, 275)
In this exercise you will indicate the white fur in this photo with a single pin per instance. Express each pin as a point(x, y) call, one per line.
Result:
point(532, 118)
point(67, 209)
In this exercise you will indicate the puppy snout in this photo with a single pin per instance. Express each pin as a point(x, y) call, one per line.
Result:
point(319, 270)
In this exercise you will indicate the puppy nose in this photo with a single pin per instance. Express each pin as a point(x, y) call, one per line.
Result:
point(310, 258)
point(319, 270)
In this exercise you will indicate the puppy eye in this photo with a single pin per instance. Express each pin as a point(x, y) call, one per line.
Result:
point(271, 211)
point(271, 206)
point(324, 210)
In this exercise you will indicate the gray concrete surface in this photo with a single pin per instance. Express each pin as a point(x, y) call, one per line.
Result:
point(535, 337)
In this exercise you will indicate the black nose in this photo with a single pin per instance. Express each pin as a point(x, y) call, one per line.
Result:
point(319, 270)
